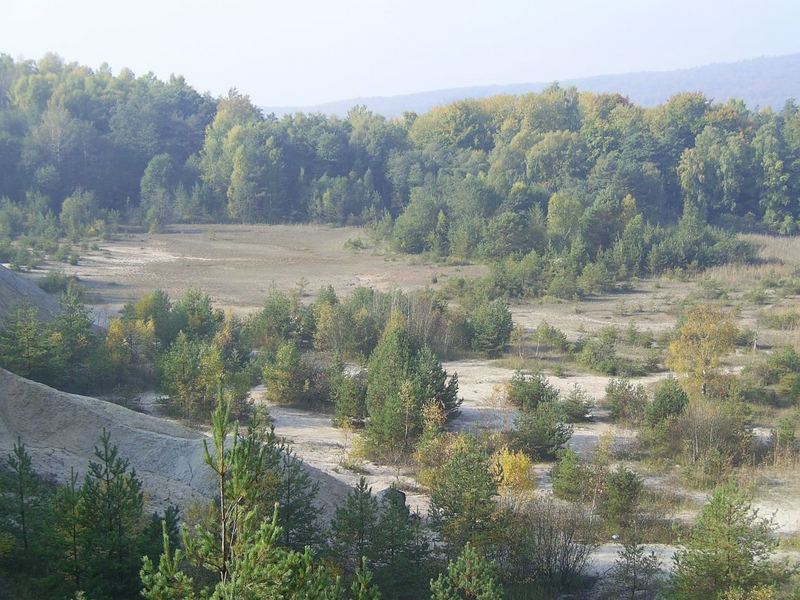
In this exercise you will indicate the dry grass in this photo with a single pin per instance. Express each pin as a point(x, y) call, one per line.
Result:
point(779, 256)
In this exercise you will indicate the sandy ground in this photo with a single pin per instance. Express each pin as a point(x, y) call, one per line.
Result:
point(239, 264)
point(647, 305)
point(485, 408)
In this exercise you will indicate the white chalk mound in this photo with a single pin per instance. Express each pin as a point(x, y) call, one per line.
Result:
point(15, 290)
point(61, 430)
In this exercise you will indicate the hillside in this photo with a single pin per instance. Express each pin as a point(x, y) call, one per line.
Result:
point(760, 82)
point(60, 431)
point(16, 290)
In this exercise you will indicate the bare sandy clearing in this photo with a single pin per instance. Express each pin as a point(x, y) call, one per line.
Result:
point(647, 306)
point(239, 264)
point(485, 408)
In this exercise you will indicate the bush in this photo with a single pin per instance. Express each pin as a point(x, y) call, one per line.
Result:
point(570, 477)
point(576, 405)
point(541, 432)
point(349, 396)
point(284, 377)
point(527, 391)
point(515, 470)
point(547, 335)
point(57, 282)
point(781, 362)
point(620, 499)
point(600, 355)
point(491, 327)
point(669, 401)
point(625, 400)
point(546, 542)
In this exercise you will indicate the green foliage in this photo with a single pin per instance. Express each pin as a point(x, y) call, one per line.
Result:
point(284, 377)
point(669, 401)
point(384, 537)
point(237, 551)
point(527, 391)
point(190, 374)
point(544, 545)
point(636, 573)
point(76, 537)
point(540, 432)
point(57, 282)
point(626, 401)
point(621, 497)
point(297, 495)
point(349, 396)
point(576, 405)
point(491, 326)
point(462, 505)
point(353, 528)
point(570, 477)
point(470, 577)
point(401, 380)
point(65, 352)
point(112, 520)
point(728, 548)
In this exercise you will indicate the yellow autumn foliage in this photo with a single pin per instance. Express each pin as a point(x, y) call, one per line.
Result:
point(515, 470)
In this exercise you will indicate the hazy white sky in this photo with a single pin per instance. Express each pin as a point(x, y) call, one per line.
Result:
point(308, 51)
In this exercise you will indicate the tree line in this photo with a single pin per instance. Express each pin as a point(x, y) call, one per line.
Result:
point(590, 176)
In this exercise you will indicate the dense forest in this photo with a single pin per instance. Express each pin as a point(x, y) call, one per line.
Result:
point(79, 148)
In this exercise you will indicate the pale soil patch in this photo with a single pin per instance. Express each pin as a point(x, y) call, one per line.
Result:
point(481, 384)
point(648, 306)
point(777, 495)
point(237, 265)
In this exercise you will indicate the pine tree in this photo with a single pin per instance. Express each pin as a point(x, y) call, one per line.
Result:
point(635, 574)
point(462, 505)
point(73, 344)
point(728, 547)
point(471, 577)
point(348, 395)
point(167, 582)
point(401, 379)
point(283, 378)
point(391, 363)
point(362, 588)
point(24, 492)
point(245, 560)
point(434, 384)
point(298, 515)
point(353, 527)
point(112, 520)
point(22, 346)
point(69, 531)
point(400, 549)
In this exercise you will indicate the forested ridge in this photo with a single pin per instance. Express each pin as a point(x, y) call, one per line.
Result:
point(79, 145)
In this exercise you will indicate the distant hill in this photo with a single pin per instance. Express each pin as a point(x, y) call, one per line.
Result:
point(760, 82)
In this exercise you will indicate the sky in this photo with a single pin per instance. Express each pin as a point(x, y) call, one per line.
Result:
point(302, 52)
